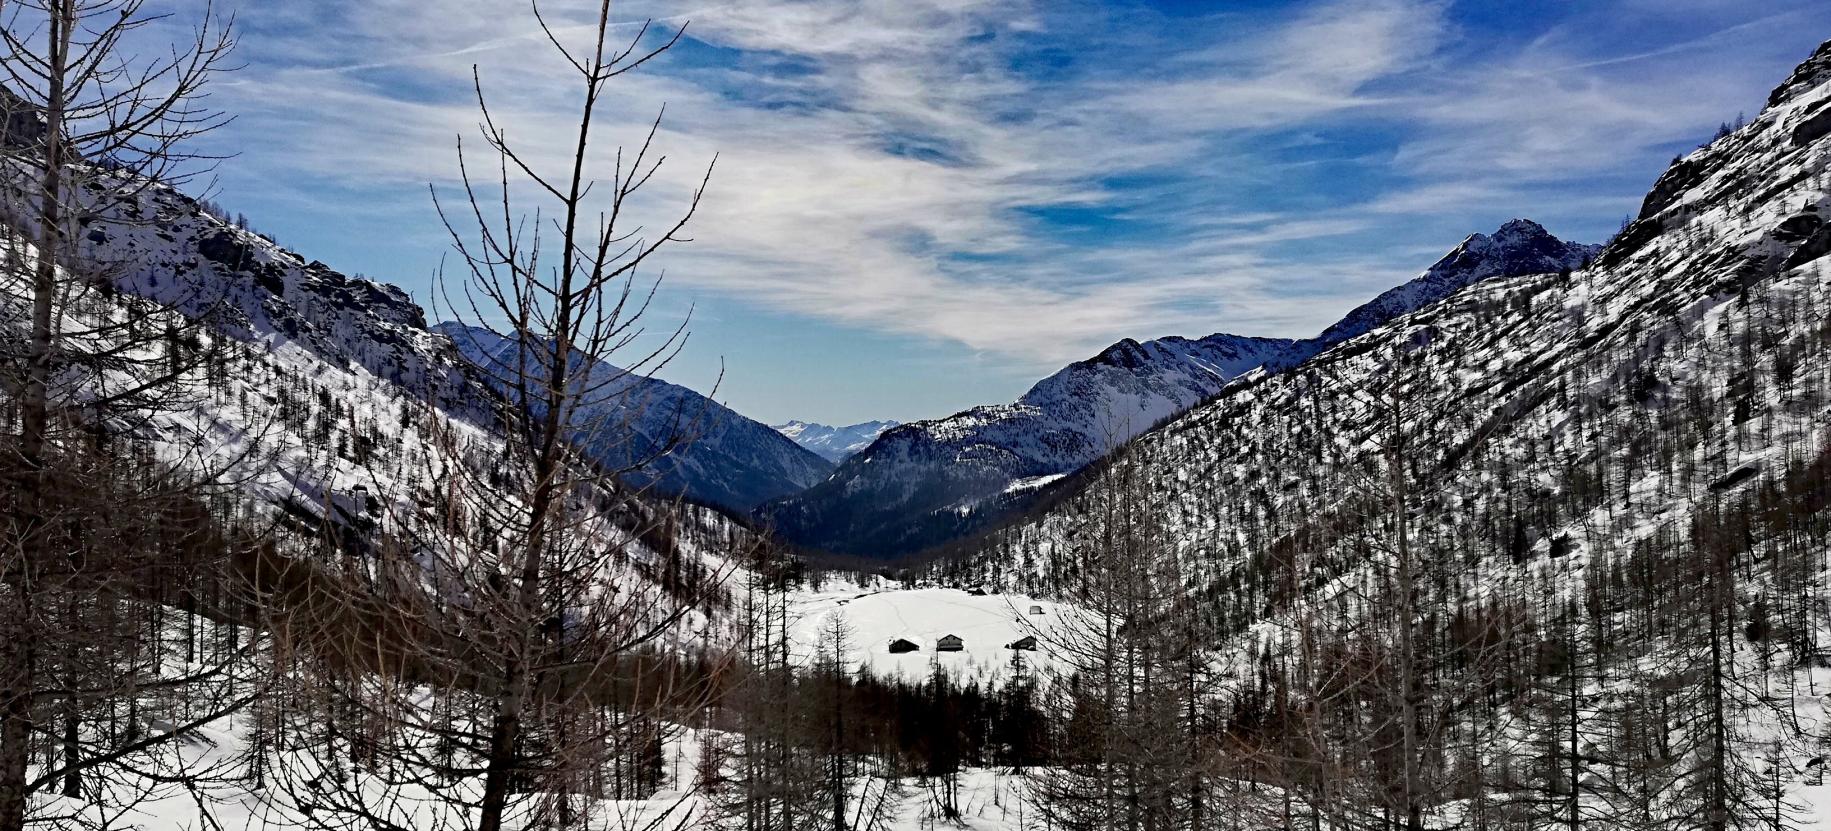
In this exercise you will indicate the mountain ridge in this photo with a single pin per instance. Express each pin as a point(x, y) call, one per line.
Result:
point(722, 457)
point(929, 481)
point(835, 444)
point(1699, 315)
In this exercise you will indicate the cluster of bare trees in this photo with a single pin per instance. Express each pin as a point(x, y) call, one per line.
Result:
point(509, 667)
point(1137, 741)
point(489, 658)
point(515, 638)
point(1401, 641)
point(101, 539)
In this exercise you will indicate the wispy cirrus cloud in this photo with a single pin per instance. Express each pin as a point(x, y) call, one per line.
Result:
point(1030, 180)
point(916, 137)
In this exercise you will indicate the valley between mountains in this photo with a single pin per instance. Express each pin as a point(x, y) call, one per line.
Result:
point(1539, 538)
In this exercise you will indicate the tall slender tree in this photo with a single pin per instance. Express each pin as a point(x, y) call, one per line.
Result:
point(523, 646)
point(86, 126)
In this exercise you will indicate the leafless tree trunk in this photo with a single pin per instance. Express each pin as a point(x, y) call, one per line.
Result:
point(87, 127)
point(1131, 692)
point(523, 656)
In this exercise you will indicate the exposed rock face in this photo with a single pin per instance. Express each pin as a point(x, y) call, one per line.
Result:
point(1797, 119)
point(1811, 74)
point(1814, 127)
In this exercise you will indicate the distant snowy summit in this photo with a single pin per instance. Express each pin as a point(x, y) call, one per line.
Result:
point(923, 484)
point(835, 444)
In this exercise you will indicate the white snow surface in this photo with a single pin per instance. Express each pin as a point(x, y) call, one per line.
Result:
point(989, 800)
point(985, 623)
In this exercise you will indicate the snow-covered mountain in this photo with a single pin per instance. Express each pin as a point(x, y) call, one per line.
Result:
point(726, 460)
point(835, 444)
point(1627, 467)
point(927, 482)
point(1620, 411)
point(1517, 248)
point(321, 397)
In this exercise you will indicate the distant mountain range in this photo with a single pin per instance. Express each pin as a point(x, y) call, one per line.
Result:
point(924, 483)
point(835, 444)
point(727, 460)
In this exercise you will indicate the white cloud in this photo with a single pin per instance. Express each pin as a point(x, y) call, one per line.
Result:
point(878, 157)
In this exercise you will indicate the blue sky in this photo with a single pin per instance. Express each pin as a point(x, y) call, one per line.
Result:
point(921, 205)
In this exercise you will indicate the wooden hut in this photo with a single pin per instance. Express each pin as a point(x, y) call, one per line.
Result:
point(902, 645)
point(1036, 609)
point(949, 643)
point(1027, 642)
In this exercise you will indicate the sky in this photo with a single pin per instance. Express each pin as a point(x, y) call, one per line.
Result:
point(923, 205)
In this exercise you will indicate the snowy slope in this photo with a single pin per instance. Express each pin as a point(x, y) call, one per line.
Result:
point(925, 483)
point(729, 460)
point(1688, 364)
point(835, 444)
point(325, 397)
point(169, 247)
point(1569, 447)
point(1728, 231)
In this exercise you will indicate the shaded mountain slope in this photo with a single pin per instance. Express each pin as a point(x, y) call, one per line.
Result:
point(726, 460)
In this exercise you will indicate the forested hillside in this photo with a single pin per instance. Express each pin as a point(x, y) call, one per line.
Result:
point(1538, 540)
point(927, 484)
point(1551, 551)
point(671, 439)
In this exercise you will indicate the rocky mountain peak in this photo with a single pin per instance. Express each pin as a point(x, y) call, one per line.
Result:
point(1520, 246)
point(1521, 226)
point(1517, 248)
point(1814, 71)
